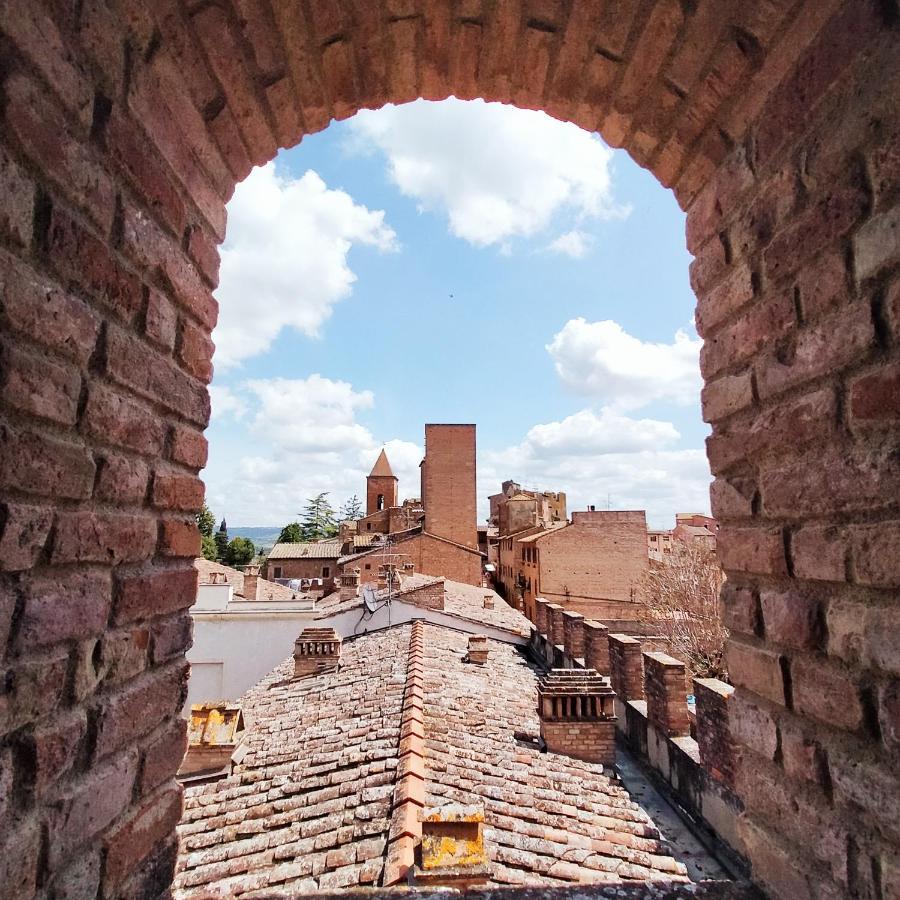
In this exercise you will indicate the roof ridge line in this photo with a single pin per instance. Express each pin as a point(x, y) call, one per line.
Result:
point(409, 789)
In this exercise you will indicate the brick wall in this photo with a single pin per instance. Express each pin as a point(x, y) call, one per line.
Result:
point(666, 693)
point(590, 741)
point(716, 743)
point(448, 483)
point(428, 556)
point(384, 486)
point(123, 129)
point(301, 568)
point(626, 667)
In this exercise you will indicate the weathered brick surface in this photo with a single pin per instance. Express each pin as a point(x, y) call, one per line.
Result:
point(781, 145)
point(665, 689)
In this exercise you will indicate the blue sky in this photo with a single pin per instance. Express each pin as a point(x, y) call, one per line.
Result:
point(457, 262)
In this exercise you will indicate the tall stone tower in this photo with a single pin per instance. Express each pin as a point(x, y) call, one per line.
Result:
point(381, 486)
point(448, 483)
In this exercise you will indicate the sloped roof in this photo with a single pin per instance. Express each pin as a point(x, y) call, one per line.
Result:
point(265, 590)
point(309, 807)
point(319, 550)
point(531, 538)
point(382, 468)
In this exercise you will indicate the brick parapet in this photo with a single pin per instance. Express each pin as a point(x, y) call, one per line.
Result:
point(556, 625)
point(573, 634)
point(596, 646)
point(713, 728)
point(666, 694)
point(542, 616)
point(626, 667)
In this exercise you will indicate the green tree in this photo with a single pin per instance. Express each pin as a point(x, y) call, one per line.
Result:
point(292, 533)
point(318, 519)
point(209, 549)
point(351, 510)
point(239, 552)
point(221, 540)
point(206, 522)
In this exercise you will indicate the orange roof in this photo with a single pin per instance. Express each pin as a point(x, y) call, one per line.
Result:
point(382, 467)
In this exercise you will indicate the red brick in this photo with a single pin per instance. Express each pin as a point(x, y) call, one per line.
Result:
point(121, 480)
point(754, 549)
point(91, 805)
point(732, 499)
point(144, 596)
point(116, 658)
point(790, 617)
point(764, 323)
point(17, 214)
point(163, 754)
point(23, 534)
point(876, 549)
point(877, 244)
point(62, 606)
point(824, 692)
point(161, 322)
point(39, 464)
point(171, 637)
point(756, 668)
point(116, 419)
point(56, 747)
point(156, 694)
point(182, 492)
point(740, 608)
point(135, 365)
point(129, 843)
point(188, 447)
point(824, 285)
point(875, 397)
point(131, 150)
point(892, 308)
point(37, 37)
point(195, 352)
point(867, 785)
point(752, 726)
point(103, 38)
point(793, 425)
point(726, 395)
point(864, 635)
point(103, 537)
point(205, 253)
point(801, 755)
point(32, 116)
point(33, 688)
point(708, 267)
point(89, 263)
point(39, 386)
point(889, 714)
point(42, 311)
point(819, 552)
point(20, 852)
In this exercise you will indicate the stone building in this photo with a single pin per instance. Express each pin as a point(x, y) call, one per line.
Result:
point(515, 509)
point(381, 486)
point(318, 559)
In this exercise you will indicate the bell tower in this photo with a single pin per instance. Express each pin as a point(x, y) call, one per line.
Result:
point(381, 486)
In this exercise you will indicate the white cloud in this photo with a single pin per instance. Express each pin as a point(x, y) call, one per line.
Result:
point(573, 243)
point(605, 457)
point(225, 402)
point(497, 172)
point(302, 438)
point(284, 260)
point(601, 359)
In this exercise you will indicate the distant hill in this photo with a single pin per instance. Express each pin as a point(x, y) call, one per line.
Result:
point(263, 536)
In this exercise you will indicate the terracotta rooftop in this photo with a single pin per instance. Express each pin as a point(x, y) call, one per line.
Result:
point(310, 806)
point(265, 590)
point(382, 468)
point(316, 550)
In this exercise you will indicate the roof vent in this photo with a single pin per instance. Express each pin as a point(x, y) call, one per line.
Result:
point(350, 583)
point(317, 650)
point(577, 712)
point(453, 851)
point(478, 649)
point(251, 582)
point(488, 601)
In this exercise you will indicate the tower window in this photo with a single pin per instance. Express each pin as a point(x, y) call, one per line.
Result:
point(380, 502)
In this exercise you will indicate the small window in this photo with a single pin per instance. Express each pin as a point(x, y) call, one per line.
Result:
point(277, 571)
point(368, 528)
point(326, 571)
point(368, 566)
point(380, 502)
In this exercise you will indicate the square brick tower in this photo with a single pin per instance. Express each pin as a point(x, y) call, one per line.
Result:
point(448, 483)
point(381, 486)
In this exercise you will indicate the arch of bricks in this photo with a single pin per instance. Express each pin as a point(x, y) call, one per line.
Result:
point(122, 134)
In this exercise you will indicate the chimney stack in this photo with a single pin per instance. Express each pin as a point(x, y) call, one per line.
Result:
point(251, 582)
point(478, 649)
point(453, 851)
point(488, 601)
point(350, 583)
point(576, 708)
point(317, 650)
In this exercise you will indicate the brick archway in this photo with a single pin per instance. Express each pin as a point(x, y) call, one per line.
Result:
point(123, 134)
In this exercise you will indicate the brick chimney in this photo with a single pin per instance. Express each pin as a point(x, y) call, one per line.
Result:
point(317, 650)
point(576, 709)
point(488, 601)
point(350, 583)
point(251, 582)
point(478, 649)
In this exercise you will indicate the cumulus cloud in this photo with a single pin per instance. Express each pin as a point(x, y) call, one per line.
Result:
point(603, 360)
point(604, 457)
point(285, 259)
point(573, 243)
point(495, 171)
point(225, 402)
point(302, 438)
